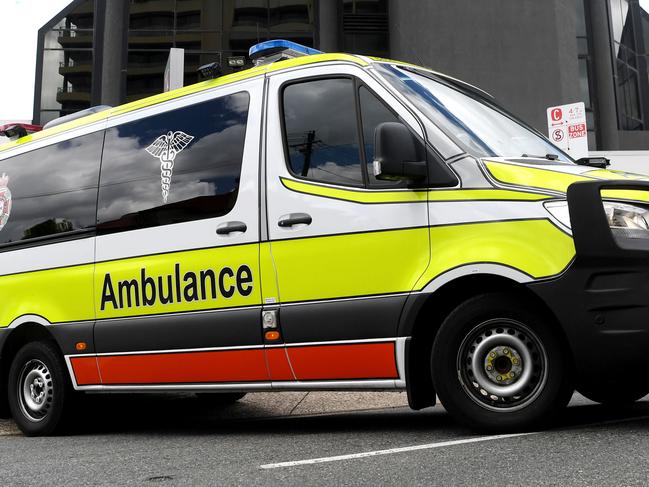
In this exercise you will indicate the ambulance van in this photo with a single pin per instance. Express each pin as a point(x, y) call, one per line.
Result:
point(319, 222)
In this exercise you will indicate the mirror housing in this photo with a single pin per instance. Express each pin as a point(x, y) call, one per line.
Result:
point(398, 155)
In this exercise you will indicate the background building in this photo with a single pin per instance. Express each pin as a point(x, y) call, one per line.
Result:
point(530, 54)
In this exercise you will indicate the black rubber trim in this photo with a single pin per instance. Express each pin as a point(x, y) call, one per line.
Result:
point(355, 319)
point(240, 327)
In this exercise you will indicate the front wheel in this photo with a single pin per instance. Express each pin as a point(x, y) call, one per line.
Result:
point(497, 365)
point(38, 389)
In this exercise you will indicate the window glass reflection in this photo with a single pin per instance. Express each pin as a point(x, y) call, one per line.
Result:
point(321, 131)
point(63, 201)
point(203, 179)
point(373, 113)
point(619, 16)
point(584, 88)
point(628, 77)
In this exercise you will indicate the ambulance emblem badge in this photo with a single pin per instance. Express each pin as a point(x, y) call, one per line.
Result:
point(166, 148)
point(5, 200)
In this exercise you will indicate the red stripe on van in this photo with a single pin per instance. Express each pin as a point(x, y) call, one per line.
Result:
point(278, 365)
point(184, 367)
point(85, 371)
point(345, 361)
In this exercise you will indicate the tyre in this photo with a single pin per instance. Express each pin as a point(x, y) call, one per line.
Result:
point(219, 398)
point(39, 389)
point(617, 399)
point(497, 366)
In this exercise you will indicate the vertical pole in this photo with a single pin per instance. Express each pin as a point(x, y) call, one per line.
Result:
point(114, 55)
point(308, 151)
point(328, 28)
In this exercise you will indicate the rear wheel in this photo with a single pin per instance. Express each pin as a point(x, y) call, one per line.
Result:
point(497, 366)
point(38, 389)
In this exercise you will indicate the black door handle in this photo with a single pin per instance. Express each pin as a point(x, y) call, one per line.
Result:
point(231, 227)
point(294, 219)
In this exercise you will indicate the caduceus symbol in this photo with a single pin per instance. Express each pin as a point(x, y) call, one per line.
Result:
point(166, 148)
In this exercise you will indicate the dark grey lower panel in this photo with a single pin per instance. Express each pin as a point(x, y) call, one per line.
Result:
point(69, 334)
point(180, 331)
point(354, 319)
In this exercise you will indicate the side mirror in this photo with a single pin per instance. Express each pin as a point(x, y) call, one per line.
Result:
point(398, 155)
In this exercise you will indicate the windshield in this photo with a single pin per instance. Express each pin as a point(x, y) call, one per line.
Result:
point(478, 127)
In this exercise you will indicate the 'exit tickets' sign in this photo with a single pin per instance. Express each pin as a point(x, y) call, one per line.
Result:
point(567, 129)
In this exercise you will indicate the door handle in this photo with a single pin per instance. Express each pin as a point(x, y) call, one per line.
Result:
point(293, 219)
point(231, 227)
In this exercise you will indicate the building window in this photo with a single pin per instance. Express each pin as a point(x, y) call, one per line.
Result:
point(365, 27)
point(630, 64)
point(209, 31)
point(585, 67)
point(68, 53)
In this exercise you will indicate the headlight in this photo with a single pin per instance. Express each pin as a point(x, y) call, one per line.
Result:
point(627, 220)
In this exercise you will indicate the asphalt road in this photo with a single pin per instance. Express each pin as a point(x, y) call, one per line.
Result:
point(179, 441)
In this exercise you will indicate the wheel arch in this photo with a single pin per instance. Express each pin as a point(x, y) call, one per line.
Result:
point(425, 312)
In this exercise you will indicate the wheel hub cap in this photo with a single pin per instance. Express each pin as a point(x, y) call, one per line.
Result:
point(502, 365)
point(35, 390)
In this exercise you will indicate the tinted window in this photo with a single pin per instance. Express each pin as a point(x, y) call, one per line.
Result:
point(50, 191)
point(174, 167)
point(373, 113)
point(321, 131)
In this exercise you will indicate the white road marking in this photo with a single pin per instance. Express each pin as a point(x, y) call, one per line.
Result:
point(391, 451)
point(441, 444)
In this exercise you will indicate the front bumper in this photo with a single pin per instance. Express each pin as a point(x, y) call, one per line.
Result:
point(602, 300)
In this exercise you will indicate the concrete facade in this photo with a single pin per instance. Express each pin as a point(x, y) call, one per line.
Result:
point(524, 52)
point(528, 53)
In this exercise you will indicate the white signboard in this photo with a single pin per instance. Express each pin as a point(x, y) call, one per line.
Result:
point(175, 70)
point(567, 129)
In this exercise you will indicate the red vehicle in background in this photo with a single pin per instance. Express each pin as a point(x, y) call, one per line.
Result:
point(16, 130)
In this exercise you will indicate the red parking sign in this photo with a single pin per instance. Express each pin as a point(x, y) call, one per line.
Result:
point(557, 114)
point(568, 129)
point(575, 131)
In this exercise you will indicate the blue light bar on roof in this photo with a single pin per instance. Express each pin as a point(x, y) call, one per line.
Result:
point(278, 49)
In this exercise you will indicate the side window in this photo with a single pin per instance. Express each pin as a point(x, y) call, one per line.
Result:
point(321, 133)
point(373, 113)
point(50, 191)
point(173, 167)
